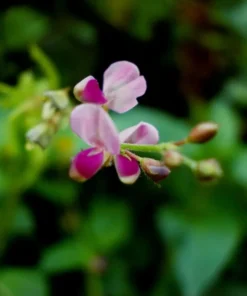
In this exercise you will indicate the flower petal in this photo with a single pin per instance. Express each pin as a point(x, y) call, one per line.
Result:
point(88, 91)
point(127, 169)
point(86, 164)
point(119, 74)
point(142, 133)
point(91, 123)
point(124, 98)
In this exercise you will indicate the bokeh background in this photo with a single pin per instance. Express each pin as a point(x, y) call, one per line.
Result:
point(101, 238)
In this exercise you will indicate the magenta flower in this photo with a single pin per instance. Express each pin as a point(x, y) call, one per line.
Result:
point(93, 125)
point(122, 86)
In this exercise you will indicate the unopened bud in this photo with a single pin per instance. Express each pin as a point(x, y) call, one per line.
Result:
point(154, 169)
point(59, 98)
point(48, 110)
point(203, 132)
point(208, 170)
point(40, 135)
point(173, 159)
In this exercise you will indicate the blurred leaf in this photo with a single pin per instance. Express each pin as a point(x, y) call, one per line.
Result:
point(169, 127)
point(234, 289)
point(236, 91)
point(200, 246)
point(24, 282)
point(118, 282)
point(143, 13)
point(226, 142)
point(4, 291)
point(83, 32)
point(233, 15)
point(23, 222)
point(239, 166)
point(67, 255)
point(229, 132)
point(23, 26)
point(61, 192)
point(46, 65)
point(64, 146)
point(146, 13)
point(109, 224)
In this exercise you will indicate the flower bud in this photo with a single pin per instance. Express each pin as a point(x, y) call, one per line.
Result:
point(203, 132)
point(48, 111)
point(154, 169)
point(173, 159)
point(59, 98)
point(208, 170)
point(40, 135)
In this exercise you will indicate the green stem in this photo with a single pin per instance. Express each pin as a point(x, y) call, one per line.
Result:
point(189, 162)
point(159, 148)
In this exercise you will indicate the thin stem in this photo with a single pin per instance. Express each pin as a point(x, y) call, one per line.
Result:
point(159, 148)
point(190, 162)
point(181, 142)
point(134, 156)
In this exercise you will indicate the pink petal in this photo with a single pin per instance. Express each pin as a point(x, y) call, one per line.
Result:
point(125, 97)
point(88, 91)
point(127, 169)
point(122, 85)
point(119, 74)
point(142, 133)
point(91, 123)
point(86, 164)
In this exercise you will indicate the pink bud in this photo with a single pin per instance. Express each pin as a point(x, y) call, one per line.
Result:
point(203, 132)
point(154, 169)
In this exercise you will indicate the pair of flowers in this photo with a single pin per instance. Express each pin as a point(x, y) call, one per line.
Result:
point(122, 85)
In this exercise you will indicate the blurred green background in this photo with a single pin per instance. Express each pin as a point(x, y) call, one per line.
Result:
point(58, 237)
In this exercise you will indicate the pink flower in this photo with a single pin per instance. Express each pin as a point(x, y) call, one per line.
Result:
point(122, 86)
point(93, 125)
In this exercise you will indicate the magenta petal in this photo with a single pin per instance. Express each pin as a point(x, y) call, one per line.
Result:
point(142, 133)
point(125, 97)
point(127, 169)
point(88, 91)
point(91, 123)
point(86, 164)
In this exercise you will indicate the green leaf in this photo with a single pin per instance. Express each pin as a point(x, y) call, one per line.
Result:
point(143, 14)
point(170, 128)
point(60, 192)
point(226, 142)
point(23, 26)
point(233, 16)
point(24, 282)
point(23, 221)
point(46, 65)
point(200, 246)
point(146, 14)
point(109, 225)
point(67, 255)
point(239, 166)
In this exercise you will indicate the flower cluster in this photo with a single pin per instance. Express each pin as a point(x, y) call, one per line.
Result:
point(122, 85)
